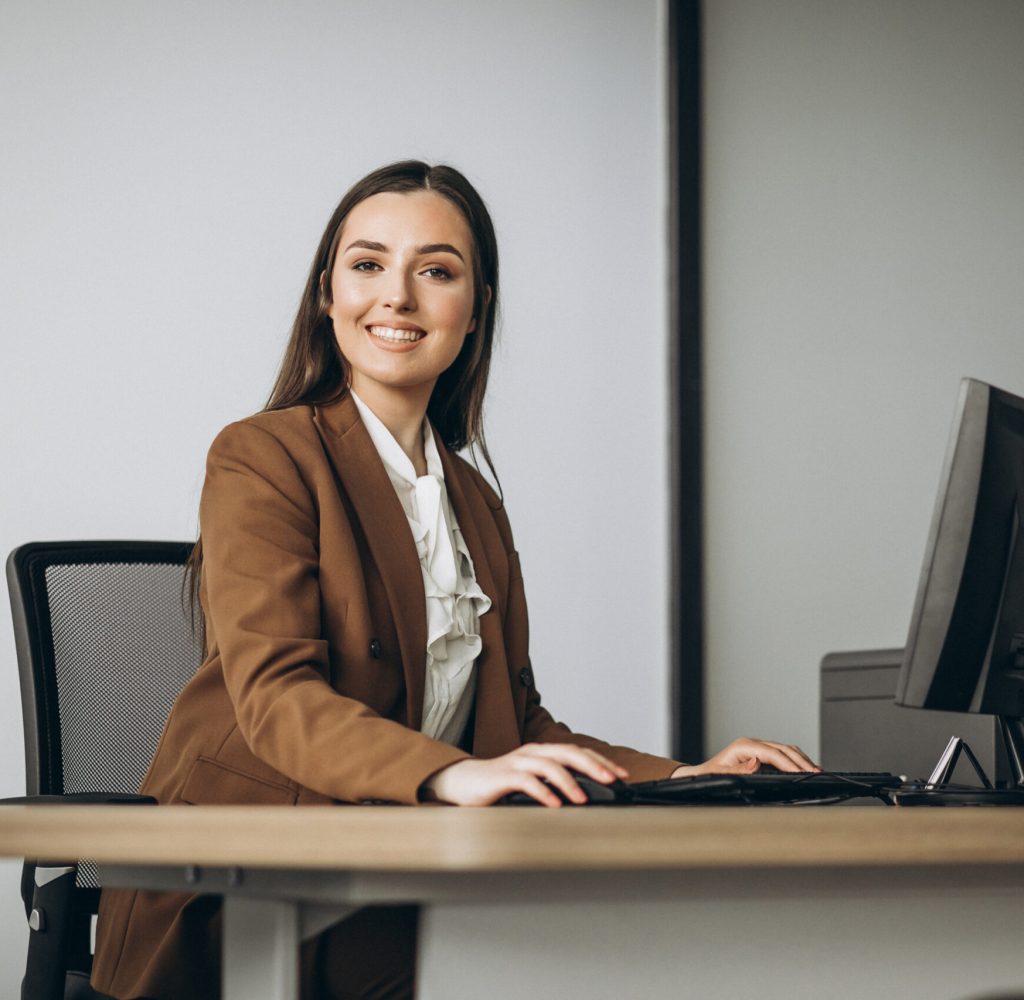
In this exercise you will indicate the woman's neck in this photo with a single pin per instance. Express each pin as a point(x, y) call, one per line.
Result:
point(401, 411)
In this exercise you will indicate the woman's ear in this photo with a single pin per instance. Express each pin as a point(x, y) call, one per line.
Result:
point(325, 298)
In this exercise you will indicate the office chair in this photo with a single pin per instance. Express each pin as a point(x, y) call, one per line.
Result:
point(106, 638)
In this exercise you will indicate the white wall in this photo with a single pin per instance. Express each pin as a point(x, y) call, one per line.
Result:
point(166, 174)
point(864, 238)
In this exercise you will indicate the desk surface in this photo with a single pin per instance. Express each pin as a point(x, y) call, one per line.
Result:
point(440, 839)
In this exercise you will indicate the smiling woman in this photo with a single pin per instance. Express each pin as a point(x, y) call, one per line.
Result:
point(415, 266)
point(364, 611)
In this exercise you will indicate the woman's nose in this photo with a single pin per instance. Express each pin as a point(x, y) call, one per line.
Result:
point(399, 293)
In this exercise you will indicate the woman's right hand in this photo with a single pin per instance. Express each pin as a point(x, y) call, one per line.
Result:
point(476, 782)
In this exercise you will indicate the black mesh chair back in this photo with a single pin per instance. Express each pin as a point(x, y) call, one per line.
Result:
point(106, 638)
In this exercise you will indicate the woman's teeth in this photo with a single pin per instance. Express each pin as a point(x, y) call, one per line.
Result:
point(387, 333)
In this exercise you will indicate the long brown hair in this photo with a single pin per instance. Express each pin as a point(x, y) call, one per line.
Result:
point(313, 370)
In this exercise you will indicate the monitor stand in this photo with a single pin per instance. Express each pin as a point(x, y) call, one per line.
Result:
point(937, 791)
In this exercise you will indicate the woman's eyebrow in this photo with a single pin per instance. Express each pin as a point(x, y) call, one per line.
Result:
point(440, 248)
point(425, 249)
point(366, 245)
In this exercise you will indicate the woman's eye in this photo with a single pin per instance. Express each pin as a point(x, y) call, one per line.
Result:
point(438, 272)
point(366, 265)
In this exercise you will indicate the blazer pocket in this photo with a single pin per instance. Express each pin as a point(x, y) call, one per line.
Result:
point(213, 783)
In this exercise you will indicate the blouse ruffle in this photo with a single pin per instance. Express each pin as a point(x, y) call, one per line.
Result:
point(454, 600)
point(455, 603)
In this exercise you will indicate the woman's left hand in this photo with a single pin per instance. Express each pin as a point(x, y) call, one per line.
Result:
point(745, 756)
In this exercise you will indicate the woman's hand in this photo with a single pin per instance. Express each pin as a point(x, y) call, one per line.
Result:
point(745, 756)
point(476, 782)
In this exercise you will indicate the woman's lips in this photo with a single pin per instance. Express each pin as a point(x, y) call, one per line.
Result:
point(395, 334)
point(392, 338)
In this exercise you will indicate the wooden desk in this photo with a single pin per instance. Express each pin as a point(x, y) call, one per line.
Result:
point(702, 903)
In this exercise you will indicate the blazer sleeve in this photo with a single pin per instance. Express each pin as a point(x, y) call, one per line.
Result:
point(260, 532)
point(539, 726)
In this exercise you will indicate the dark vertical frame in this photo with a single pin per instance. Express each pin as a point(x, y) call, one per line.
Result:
point(686, 373)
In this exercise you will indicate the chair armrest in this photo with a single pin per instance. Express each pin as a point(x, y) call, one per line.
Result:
point(81, 798)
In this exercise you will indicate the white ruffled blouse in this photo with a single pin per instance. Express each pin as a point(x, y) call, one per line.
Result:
point(454, 600)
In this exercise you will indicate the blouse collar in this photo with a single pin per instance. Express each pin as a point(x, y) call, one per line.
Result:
point(394, 458)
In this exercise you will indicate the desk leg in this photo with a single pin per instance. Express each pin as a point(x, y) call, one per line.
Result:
point(261, 949)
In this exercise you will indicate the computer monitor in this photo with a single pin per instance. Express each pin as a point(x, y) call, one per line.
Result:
point(965, 650)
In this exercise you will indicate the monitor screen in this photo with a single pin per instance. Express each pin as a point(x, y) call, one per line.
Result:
point(965, 649)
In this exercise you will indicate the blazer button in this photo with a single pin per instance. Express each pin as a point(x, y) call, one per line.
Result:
point(526, 677)
point(375, 648)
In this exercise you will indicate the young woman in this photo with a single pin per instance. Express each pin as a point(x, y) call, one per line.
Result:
point(365, 618)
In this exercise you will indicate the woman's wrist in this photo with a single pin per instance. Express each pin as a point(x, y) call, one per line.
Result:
point(433, 789)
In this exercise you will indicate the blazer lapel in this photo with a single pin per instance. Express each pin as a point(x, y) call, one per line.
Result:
point(365, 481)
point(495, 730)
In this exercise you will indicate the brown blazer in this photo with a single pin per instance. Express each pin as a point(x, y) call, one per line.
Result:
point(312, 688)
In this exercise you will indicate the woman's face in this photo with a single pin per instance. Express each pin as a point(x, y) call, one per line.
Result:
point(402, 293)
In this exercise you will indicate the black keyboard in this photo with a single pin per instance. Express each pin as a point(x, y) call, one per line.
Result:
point(765, 787)
point(762, 787)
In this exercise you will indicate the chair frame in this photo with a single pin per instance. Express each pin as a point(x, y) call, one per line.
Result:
point(59, 913)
